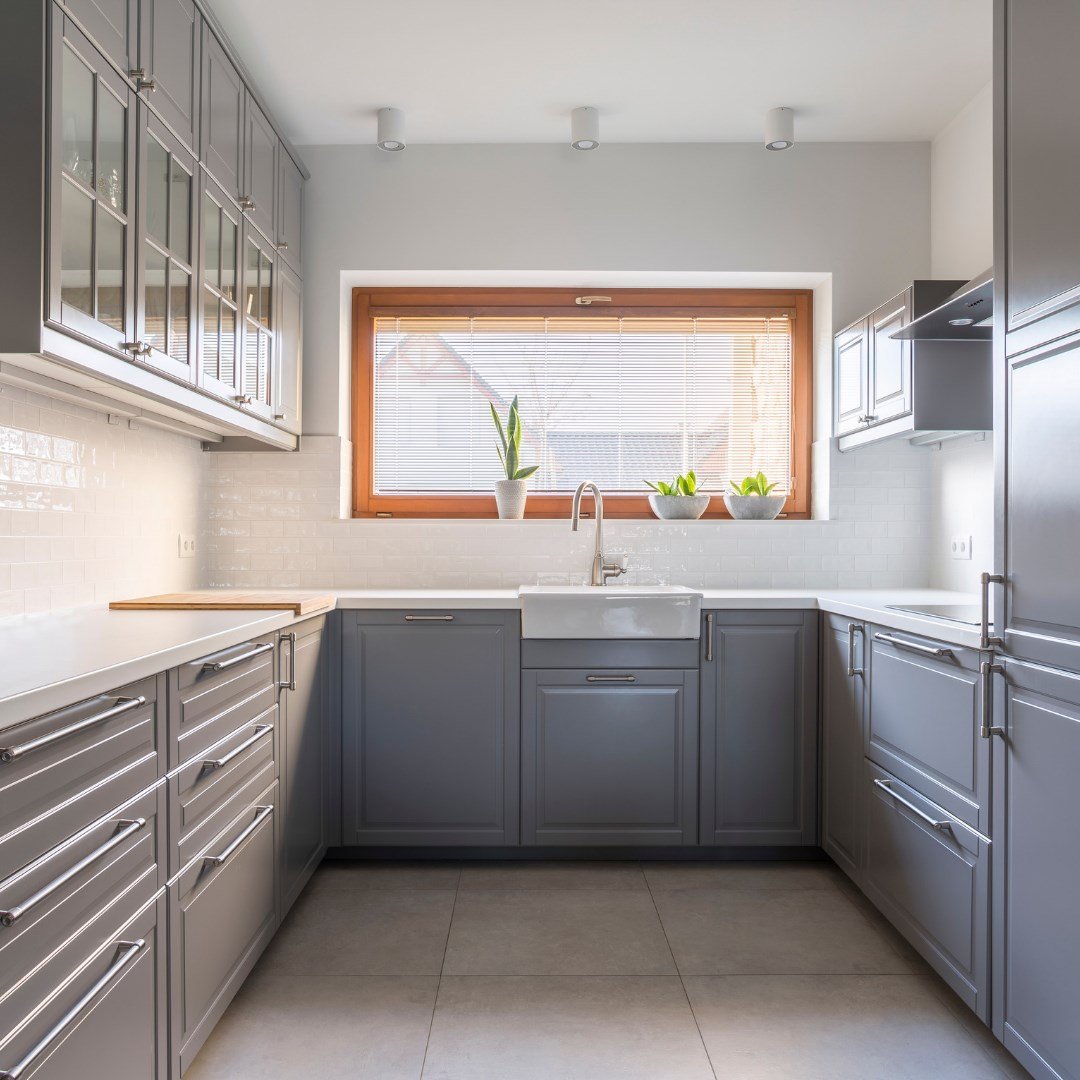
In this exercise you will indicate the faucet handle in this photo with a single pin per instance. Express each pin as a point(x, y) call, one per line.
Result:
point(619, 566)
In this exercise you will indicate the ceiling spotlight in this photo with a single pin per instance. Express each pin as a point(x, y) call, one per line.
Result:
point(391, 129)
point(585, 128)
point(779, 129)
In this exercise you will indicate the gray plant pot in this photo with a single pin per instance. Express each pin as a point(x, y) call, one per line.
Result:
point(753, 507)
point(678, 507)
point(510, 498)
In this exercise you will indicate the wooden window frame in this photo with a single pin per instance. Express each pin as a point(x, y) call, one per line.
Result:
point(369, 304)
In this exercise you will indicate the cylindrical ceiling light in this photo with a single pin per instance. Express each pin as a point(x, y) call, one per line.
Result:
point(391, 129)
point(779, 129)
point(585, 128)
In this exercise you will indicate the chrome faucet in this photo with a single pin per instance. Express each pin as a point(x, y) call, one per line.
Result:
point(601, 570)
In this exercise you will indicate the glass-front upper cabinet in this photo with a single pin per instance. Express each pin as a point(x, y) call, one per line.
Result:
point(259, 323)
point(219, 344)
point(168, 233)
point(91, 287)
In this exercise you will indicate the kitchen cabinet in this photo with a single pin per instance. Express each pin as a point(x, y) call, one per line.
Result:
point(222, 131)
point(113, 25)
point(219, 277)
point(288, 347)
point(844, 682)
point(290, 210)
point(890, 368)
point(430, 719)
point(170, 59)
point(258, 322)
point(259, 199)
point(759, 728)
point(851, 378)
point(609, 756)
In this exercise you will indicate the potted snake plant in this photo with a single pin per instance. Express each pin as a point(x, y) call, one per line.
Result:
point(511, 493)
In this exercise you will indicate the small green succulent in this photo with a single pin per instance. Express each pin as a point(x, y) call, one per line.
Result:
point(753, 485)
point(509, 445)
point(681, 485)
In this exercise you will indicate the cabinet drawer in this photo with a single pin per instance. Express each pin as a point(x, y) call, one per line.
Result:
point(924, 721)
point(70, 767)
point(95, 1009)
point(931, 882)
point(214, 695)
point(222, 913)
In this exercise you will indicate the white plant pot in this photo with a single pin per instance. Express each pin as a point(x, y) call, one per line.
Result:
point(753, 507)
point(678, 507)
point(510, 498)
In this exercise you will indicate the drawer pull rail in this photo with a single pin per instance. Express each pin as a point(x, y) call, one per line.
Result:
point(429, 618)
point(216, 860)
point(125, 827)
point(941, 826)
point(610, 678)
point(251, 740)
point(129, 950)
point(852, 630)
point(123, 705)
point(913, 646)
point(224, 665)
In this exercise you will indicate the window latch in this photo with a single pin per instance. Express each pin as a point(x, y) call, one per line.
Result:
point(585, 301)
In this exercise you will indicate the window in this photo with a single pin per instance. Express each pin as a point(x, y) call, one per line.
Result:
point(638, 385)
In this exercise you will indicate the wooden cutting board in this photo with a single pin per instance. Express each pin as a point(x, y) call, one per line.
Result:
point(229, 600)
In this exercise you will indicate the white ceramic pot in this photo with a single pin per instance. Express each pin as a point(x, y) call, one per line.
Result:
point(753, 507)
point(510, 498)
point(678, 507)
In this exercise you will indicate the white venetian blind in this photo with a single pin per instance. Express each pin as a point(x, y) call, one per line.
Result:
point(612, 399)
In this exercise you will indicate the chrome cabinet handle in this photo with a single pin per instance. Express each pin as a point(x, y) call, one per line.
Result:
point(941, 826)
point(216, 860)
point(283, 246)
point(243, 399)
point(247, 203)
point(290, 682)
point(985, 581)
point(708, 635)
point(913, 646)
point(221, 762)
point(429, 618)
point(126, 826)
point(137, 348)
point(128, 951)
point(852, 630)
point(869, 418)
point(987, 671)
point(224, 665)
point(123, 705)
point(610, 678)
point(142, 81)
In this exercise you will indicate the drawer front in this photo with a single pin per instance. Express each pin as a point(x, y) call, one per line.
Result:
point(931, 882)
point(214, 695)
point(46, 902)
point(96, 1008)
point(73, 766)
point(924, 721)
point(222, 913)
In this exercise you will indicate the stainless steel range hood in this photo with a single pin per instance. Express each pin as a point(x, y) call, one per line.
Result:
point(967, 315)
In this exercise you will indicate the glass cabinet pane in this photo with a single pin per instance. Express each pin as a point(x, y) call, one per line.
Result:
point(265, 289)
point(180, 212)
point(229, 230)
point(76, 245)
point(157, 191)
point(179, 301)
point(210, 347)
point(112, 150)
point(251, 281)
point(155, 298)
point(228, 345)
point(110, 270)
point(211, 237)
point(251, 362)
point(77, 108)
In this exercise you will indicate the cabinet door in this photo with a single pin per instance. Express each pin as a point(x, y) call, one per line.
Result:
point(289, 348)
point(221, 132)
point(303, 767)
point(290, 209)
point(430, 727)
point(890, 361)
point(258, 322)
point(219, 290)
point(113, 25)
point(609, 757)
point(843, 700)
point(259, 198)
point(851, 378)
point(92, 193)
point(759, 729)
point(165, 295)
point(171, 54)
point(1036, 851)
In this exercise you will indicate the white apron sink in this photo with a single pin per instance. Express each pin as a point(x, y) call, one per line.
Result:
point(613, 611)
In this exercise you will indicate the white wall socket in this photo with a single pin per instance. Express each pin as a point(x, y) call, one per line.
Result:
point(185, 545)
point(960, 547)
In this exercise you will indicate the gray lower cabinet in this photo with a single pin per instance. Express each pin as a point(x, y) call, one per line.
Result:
point(759, 742)
point(844, 684)
point(609, 756)
point(430, 727)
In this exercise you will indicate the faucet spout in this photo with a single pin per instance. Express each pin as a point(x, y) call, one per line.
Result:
point(601, 571)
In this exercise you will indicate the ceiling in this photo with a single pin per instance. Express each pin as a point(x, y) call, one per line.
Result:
point(494, 71)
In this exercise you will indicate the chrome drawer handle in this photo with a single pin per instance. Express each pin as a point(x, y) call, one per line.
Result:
point(224, 665)
point(429, 618)
point(610, 678)
point(216, 860)
point(941, 826)
point(913, 646)
point(123, 705)
point(708, 635)
point(127, 827)
point(987, 671)
point(221, 762)
point(986, 641)
point(128, 951)
point(290, 682)
point(852, 630)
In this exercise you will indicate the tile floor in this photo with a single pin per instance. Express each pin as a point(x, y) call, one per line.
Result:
point(545, 971)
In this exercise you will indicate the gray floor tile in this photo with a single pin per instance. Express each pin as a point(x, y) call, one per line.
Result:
point(882, 925)
point(380, 932)
point(557, 932)
point(564, 1028)
point(552, 875)
point(360, 876)
point(734, 875)
point(776, 931)
point(980, 1033)
point(321, 1026)
point(833, 1028)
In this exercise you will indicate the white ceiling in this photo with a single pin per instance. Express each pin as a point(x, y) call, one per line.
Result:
point(484, 71)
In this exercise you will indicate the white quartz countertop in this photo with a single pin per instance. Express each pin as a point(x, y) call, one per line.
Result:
point(50, 661)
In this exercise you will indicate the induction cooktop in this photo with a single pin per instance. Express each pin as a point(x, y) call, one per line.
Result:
point(968, 614)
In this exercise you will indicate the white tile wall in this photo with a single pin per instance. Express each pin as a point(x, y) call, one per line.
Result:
point(90, 511)
point(275, 520)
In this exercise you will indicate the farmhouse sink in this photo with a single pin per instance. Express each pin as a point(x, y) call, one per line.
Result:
point(614, 611)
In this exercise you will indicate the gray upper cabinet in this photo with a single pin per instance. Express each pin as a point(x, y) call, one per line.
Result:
point(113, 25)
point(851, 378)
point(289, 348)
point(430, 724)
point(258, 322)
point(258, 199)
point(290, 209)
point(170, 57)
point(890, 361)
point(222, 134)
point(759, 728)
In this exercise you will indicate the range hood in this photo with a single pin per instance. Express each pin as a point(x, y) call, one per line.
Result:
point(967, 315)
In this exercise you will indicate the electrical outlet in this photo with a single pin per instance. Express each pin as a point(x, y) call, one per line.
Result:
point(960, 546)
point(185, 545)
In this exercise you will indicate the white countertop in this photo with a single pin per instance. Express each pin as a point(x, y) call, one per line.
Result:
point(50, 661)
